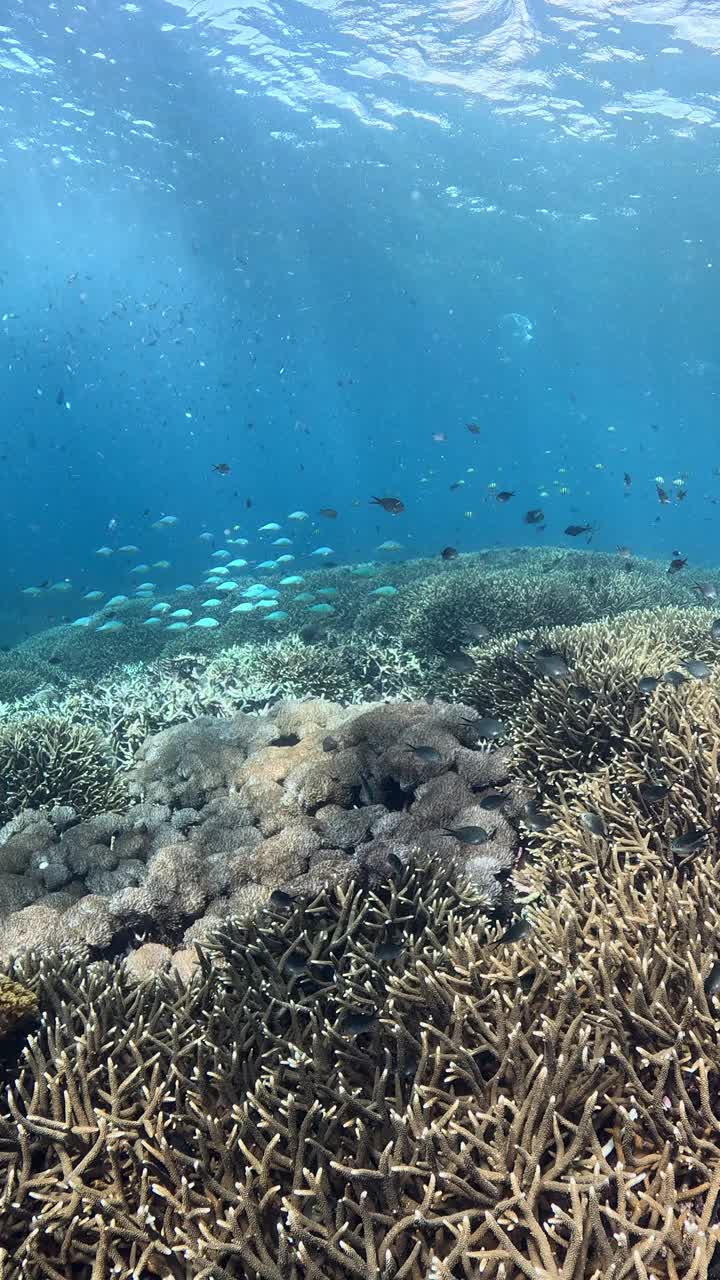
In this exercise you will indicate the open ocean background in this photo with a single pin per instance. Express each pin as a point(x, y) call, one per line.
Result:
point(301, 239)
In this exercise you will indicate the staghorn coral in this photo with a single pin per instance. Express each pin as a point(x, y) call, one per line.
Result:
point(21, 676)
point(47, 760)
point(673, 742)
point(558, 736)
point(83, 652)
point(135, 701)
point(529, 588)
point(547, 1109)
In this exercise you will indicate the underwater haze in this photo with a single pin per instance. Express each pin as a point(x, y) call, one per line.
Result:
point(290, 257)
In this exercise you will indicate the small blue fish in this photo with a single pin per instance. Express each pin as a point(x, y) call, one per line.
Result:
point(114, 625)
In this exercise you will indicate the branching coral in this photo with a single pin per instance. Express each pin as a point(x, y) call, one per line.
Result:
point(21, 676)
point(368, 1085)
point(135, 701)
point(566, 727)
point(535, 588)
point(46, 760)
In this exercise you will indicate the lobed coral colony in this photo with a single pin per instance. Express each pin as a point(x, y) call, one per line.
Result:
point(390, 953)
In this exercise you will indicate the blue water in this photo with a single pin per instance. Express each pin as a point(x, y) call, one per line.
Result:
point(303, 239)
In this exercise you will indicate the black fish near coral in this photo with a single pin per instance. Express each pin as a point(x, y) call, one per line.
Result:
point(579, 693)
point(711, 985)
point(477, 631)
point(654, 792)
point(552, 665)
point(676, 564)
point(461, 663)
point(487, 727)
point(518, 930)
point(535, 819)
point(281, 900)
point(469, 834)
point(427, 754)
point(392, 505)
point(449, 553)
point(355, 1023)
point(492, 801)
point(593, 823)
point(534, 516)
point(690, 841)
point(648, 684)
point(698, 669)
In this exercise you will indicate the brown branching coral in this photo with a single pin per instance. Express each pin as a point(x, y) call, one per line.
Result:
point(658, 792)
point(48, 760)
point(540, 588)
point(315, 1107)
point(565, 728)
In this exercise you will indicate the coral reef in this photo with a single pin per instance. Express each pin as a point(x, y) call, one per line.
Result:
point(224, 811)
point(537, 588)
point(566, 727)
point(85, 653)
point(134, 701)
point(21, 675)
point(48, 760)
point(370, 1083)
point(298, 1029)
point(504, 589)
point(17, 1005)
